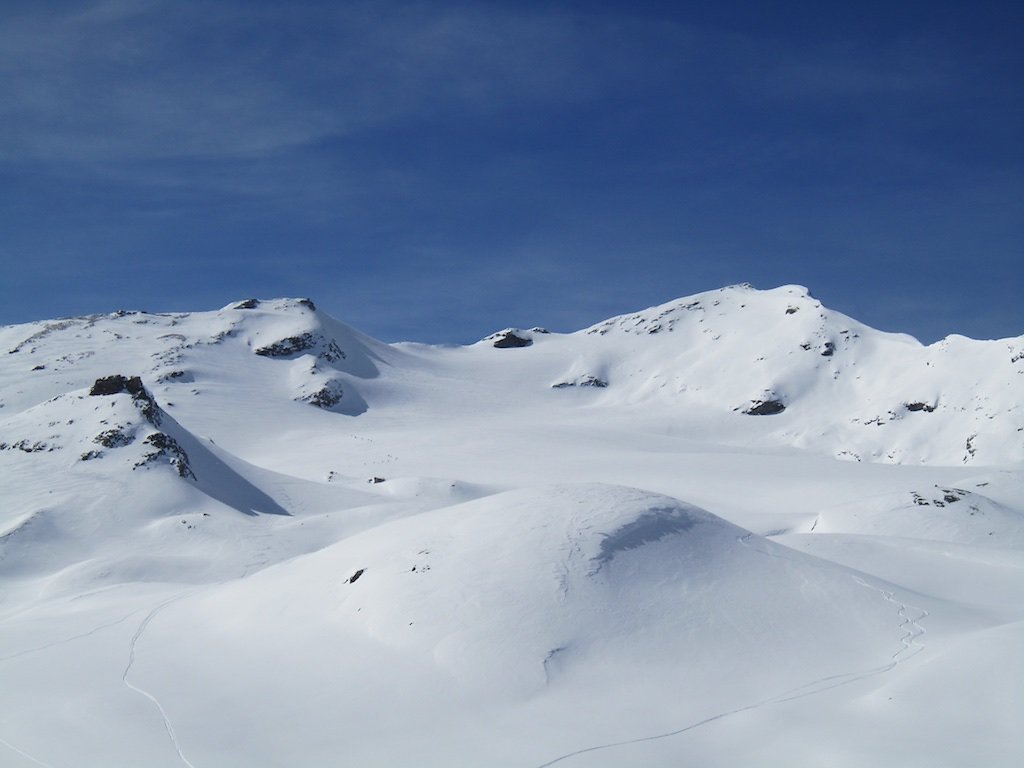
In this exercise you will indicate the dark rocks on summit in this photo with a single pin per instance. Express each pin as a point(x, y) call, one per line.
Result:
point(509, 340)
point(115, 385)
point(247, 304)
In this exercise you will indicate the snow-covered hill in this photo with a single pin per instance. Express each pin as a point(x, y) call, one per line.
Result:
point(737, 528)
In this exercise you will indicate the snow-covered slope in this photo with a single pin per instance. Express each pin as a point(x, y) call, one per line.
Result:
point(256, 536)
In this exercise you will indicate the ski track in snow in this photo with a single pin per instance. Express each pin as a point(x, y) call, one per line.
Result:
point(140, 630)
point(71, 639)
point(909, 626)
point(54, 644)
point(131, 661)
point(24, 754)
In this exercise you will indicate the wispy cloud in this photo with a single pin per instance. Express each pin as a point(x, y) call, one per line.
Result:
point(148, 79)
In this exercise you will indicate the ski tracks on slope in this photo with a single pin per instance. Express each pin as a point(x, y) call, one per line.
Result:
point(124, 677)
point(143, 625)
point(46, 646)
point(261, 560)
point(909, 626)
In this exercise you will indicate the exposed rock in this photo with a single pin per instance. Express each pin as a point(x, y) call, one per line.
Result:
point(90, 455)
point(509, 340)
point(829, 350)
point(920, 407)
point(115, 438)
point(293, 345)
point(308, 304)
point(327, 396)
point(355, 576)
point(27, 447)
point(765, 408)
point(948, 496)
point(247, 304)
point(289, 346)
point(332, 353)
point(179, 377)
point(375, 480)
point(583, 381)
point(115, 385)
point(791, 310)
point(167, 448)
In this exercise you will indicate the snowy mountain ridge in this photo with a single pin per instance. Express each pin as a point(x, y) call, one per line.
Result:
point(830, 384)
point(737, 528)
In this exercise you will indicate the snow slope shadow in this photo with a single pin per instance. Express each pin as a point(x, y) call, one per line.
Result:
point(220, 476)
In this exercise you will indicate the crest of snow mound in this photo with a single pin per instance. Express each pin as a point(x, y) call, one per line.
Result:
point(652, 525)
point(550, 586)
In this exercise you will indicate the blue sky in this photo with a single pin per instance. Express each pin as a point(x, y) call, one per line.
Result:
point(437, 171)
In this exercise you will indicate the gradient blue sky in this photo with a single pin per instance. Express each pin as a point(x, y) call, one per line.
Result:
point(435, 171)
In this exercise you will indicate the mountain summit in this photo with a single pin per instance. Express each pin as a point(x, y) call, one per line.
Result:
point(831, 385)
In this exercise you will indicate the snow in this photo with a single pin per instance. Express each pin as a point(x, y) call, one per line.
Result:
point(302, 546)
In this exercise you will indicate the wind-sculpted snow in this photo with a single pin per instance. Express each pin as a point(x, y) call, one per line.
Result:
point(652, 525)
point(735, 529)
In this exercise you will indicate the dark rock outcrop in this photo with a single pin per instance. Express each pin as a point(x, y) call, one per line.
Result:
point(765, 408)
point(326, 397)
point(115, 438)
point(27, 446)
point(325, 349)
point(509, 340)
point(292, 345)
point(166, 447)
point(584, 381)
point(115, 385)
